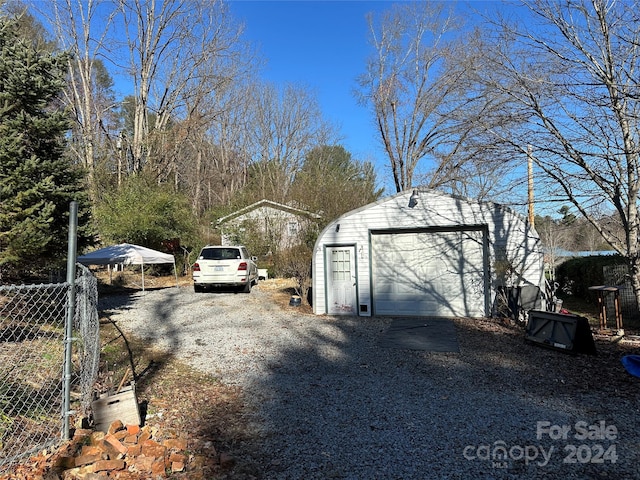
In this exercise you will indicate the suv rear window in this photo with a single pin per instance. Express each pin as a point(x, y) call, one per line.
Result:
point(220, 254)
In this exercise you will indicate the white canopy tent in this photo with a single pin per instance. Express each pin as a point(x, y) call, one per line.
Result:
point(128, 254)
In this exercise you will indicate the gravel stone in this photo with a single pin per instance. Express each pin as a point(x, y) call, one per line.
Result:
point(326, 401)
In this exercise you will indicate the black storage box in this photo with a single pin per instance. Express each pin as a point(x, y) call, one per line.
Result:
point(567, 333)
point(519, 300)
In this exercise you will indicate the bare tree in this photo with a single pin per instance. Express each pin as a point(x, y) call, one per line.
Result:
point(571, 71)
point(420, 87)
point(215, 164)
point(177, 48)
point(210, 155)
point(231, 137)
point(554, 235)
point(285, 126)
point(81, 28)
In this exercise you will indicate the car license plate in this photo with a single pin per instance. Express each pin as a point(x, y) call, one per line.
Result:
point(218, 269)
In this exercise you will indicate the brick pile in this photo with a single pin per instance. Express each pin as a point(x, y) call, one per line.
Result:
point(124, 452)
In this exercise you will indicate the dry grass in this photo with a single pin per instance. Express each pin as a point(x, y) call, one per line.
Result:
point(213, 417)
point(177, 398)
point(131, 279)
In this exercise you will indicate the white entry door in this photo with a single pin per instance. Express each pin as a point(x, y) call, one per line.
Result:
point(341, 281)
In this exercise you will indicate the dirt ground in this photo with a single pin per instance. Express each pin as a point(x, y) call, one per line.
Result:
point(194, 406)
point(178, 401)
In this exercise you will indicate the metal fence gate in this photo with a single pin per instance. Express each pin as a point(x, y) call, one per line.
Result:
point(32, 362)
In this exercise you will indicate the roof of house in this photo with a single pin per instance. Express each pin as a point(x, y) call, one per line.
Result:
point(267, 203)
point(560, 252)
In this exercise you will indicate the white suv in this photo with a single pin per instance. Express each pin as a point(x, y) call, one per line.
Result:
point(224, 266)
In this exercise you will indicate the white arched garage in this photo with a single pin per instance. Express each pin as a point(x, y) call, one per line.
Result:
point(423, 253)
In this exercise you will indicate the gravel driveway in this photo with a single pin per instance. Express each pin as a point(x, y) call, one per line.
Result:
point(327, 401)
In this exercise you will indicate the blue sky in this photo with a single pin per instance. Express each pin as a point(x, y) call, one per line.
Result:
point(322, 45)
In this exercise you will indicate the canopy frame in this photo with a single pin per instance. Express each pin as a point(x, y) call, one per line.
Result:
point(128, 254)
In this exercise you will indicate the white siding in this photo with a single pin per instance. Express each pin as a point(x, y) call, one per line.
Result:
point(438, 272)
point(510, 241)
point(279, 225)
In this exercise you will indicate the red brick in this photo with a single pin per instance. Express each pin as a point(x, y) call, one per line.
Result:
point(82, 432)
point(115, 426)
point(144, 436)
point(124, 475)
point(91, 450)
point(151, 448)
point(134, 450)
point(87, 459)
point(143, 464)
point(133, 429)
point(175, 443)
point(97, 437)
point(79, 472)
point(108, 465)
point(178, 457)
point(113, 441)
point(97, 475)
point(109, 450)
point(87, 470)
point(158, 468)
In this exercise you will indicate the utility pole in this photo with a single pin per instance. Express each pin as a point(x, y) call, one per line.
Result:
point(530, 185)
point(119, 146)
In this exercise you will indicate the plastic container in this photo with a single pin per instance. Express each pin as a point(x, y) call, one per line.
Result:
point(295, 301)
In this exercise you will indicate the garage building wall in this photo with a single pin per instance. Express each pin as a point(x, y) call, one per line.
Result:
point(513, 249)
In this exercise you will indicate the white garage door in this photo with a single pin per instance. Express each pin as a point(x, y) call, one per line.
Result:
point(429, 273)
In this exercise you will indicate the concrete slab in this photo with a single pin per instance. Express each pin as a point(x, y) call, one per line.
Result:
point(428, 334)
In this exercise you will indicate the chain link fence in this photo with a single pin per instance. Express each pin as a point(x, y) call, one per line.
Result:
point(32, 362)
point(618, 275)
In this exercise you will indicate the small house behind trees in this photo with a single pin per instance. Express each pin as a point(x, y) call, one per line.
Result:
point(267, 225)
point(423, 253)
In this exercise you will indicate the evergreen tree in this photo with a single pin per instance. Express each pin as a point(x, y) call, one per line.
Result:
point(333, 183)
point(37, 182)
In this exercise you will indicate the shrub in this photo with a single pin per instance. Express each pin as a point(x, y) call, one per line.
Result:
point(575, 276)
point(296, 263)
point(145, 213)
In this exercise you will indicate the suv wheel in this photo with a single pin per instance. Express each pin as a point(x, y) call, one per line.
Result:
point(247, 287)
point(198, 288)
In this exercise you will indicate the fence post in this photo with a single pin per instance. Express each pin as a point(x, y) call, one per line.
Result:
point(71, 300)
